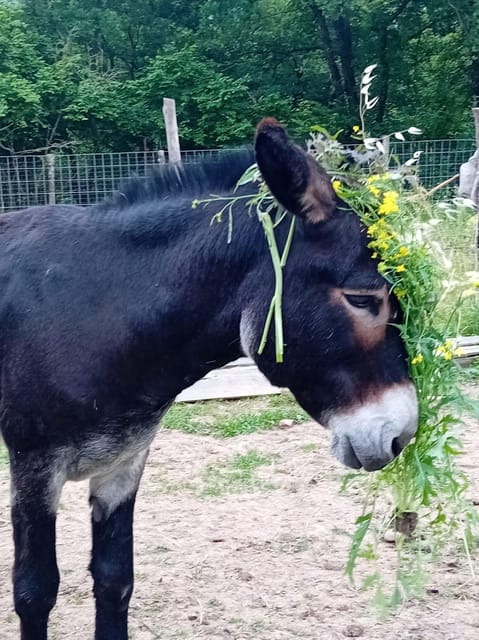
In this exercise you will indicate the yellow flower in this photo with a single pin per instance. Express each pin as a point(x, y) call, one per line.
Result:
point(356, 128)
point(336, 185)
point(374, 190)
point(400, 268)
point(403, 252)
point(374, 178)
point(400, 293)
point(448, 350)
point(389, 203)
point(417, 359)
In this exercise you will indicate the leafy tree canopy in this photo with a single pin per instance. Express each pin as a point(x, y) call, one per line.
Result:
point(93, 73)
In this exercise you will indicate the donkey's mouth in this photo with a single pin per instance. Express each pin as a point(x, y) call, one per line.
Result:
point(346, 455)
point(343, 450)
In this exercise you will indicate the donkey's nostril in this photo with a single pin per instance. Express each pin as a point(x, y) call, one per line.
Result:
point(396, 447)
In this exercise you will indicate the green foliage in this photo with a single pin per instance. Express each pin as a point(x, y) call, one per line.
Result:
point(95, 74)
point(210, 105)
point(432, 286)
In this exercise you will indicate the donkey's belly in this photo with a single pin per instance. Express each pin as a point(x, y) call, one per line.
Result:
point(107, 450)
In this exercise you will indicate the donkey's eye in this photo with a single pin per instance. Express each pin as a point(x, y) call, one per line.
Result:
point(371, 303)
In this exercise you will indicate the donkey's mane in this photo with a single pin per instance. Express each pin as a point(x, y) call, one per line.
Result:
point(195, 179)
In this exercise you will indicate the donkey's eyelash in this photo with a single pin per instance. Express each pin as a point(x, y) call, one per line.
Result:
point(369, 302)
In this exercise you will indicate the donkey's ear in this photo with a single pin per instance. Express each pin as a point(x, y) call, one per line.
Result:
point(293, 177)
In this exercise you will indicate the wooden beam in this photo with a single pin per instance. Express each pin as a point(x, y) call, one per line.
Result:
point(239, 379)
point(171, 125)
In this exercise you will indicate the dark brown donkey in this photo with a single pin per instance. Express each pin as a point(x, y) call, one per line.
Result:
point(108, 312)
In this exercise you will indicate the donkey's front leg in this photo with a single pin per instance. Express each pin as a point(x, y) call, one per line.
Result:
point(36, 487)
point(112, 497)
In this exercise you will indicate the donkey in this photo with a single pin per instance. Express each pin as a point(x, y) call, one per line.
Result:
point(108, 312)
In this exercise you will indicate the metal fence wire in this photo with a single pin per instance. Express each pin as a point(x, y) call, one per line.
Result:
point(88, 178)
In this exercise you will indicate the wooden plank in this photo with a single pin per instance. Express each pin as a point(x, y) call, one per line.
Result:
point(239, 379)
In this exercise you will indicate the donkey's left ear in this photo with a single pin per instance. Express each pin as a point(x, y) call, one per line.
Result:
point(298, 183)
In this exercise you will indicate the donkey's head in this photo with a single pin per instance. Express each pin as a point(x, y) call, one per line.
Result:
point(344, 358)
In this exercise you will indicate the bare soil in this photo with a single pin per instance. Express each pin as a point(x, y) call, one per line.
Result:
point(264, 559)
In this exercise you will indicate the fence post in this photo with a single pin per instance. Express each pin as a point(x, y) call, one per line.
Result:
point(50, 158)
point(171, 125)
point(386, 140)
point(469, 171)
point(475, 114)
point(161, 157)
point(475, 186)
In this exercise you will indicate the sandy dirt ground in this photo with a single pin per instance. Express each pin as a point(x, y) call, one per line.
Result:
point(262, 560)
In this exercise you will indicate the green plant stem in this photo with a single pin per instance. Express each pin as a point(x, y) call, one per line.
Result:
point(268, 228)
point(276, 301)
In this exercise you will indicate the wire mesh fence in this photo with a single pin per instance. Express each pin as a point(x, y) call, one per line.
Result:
point(88, 178)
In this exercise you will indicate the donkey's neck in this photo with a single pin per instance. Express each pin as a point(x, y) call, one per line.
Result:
point(189, 282)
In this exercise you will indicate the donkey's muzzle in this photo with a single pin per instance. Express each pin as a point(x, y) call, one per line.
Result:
point(374, 433)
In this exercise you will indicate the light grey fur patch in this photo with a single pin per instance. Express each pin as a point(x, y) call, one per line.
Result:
point(109, 490)
point(247, 334)
point(100, 453)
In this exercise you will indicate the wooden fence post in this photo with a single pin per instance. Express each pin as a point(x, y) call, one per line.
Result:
point(475, 114)
point(469, 171)
point(475, 186)
point(171, 125)
point(386, 142)
point(50, 159)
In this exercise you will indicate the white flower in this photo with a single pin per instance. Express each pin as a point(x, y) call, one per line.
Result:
point(414, 131)
point(399, 136)
point(367, 78)
point(370, 143)
point(370, 104)
point(464, 202)
point(368, 69)
point(380, 146)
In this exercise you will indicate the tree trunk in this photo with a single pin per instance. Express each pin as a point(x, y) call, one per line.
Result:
point(383, 55)
point(345, 46)
point(327, 47)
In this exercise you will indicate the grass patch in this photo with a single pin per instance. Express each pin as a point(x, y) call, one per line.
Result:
point(456, 235)
point(228, 418)
point(308, 448)
point(3, 455)
point(237, 475)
